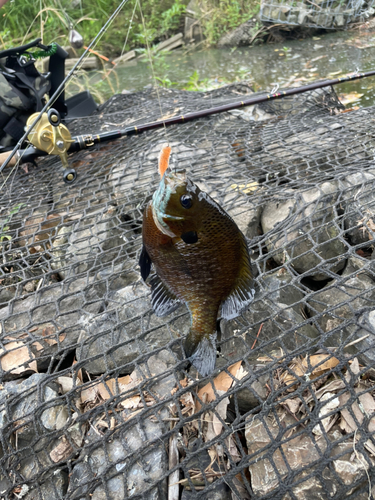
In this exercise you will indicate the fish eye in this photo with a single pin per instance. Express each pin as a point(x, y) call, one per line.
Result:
point(186, 201)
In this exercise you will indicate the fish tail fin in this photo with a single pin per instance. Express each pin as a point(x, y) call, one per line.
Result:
point(201, 352)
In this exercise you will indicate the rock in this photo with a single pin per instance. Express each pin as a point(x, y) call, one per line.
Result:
point(278, 307)
point(51, 317)
point(33, 407)
point(157, 367)
point(357, 194)
point(243, 209)
point(252, 394)
point(116, 337)
point(334, 309)
point(242, 35)
point(132, 459)
point(298, 453)
point(304, 233)
point(90, 243)
point(365, 327)
point(201, 462)
point(219, 492)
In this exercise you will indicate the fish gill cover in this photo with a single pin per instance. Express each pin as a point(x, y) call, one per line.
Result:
point(96, 400)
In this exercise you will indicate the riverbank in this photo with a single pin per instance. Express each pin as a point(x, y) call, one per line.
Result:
point(25, 20)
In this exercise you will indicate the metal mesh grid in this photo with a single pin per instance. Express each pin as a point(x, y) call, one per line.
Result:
point(327, 14)
point(96, 400)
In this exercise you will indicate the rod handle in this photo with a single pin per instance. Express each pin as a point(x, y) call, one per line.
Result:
point(4, 156)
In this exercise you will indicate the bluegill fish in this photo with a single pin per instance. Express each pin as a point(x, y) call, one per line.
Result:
point(200, 258)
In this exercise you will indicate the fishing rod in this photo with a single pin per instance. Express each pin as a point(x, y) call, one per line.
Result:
point(73, 144)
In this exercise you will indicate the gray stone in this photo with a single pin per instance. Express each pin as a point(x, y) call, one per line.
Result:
point(366, 328)
point(244, 211)
point(336, 305)
point(32, 406)
point(251, 394)
point(52, 486)
point(131, 464)
point(157, 367)
point(303, 232)
point(118, 336)
point(90, 243)
point(220, 492)
point(240, 36)
point(279, 308)
point(51, 317)
point(357, 193)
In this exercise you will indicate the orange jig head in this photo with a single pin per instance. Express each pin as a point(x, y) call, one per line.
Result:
point(164, 156)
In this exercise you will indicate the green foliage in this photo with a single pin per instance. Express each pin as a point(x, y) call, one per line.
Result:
point(4, 223)
point(20, 17)
point(220, 16)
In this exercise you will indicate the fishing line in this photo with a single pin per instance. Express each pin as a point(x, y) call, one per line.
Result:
point(153, 73)
point(59, 90)
point(126, 40)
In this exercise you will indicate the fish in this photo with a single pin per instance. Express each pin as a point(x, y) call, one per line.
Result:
point(200, 259)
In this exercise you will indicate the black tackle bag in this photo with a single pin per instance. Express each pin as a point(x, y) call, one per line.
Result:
point(24, 90)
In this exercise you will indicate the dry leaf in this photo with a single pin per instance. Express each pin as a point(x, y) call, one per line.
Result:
point(349, 98)
point(302, 367)
point(62, 451)
point(89, 394)
point(222, 382)
point(187, 401)
point(15, 355)
point(364, 405)
point(66, 384)
point(221, 409)
point(132, 402)
point(327, 408)
point(293, 404)
point(112, 385)
point(233, 450)
point(249, 188)
point(38, 346)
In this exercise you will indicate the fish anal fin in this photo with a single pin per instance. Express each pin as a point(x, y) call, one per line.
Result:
point(240, 297)
point(162, 299)
point(144, 263)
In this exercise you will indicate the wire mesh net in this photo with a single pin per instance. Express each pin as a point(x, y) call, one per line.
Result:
point(326, 14)
point(96, 398)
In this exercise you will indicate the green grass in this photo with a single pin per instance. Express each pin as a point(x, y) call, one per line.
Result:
point(23, 20)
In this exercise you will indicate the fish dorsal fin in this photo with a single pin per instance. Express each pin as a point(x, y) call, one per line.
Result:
point(164, 155)
point(144, 263)
point(241, 295)
point(162, 299)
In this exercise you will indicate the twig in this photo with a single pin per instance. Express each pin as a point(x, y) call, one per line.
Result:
point(357, 340)
point(173, 486)
point(255, 341)
point(363, 464)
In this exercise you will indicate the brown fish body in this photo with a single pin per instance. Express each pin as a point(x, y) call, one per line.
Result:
point(201, 258)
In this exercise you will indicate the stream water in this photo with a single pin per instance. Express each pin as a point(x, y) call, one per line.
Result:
point(295, 62)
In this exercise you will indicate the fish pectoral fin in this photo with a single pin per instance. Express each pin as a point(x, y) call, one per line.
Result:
point(189, 237)
point(162, 299)
point(144, 263)
point(239, 298)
